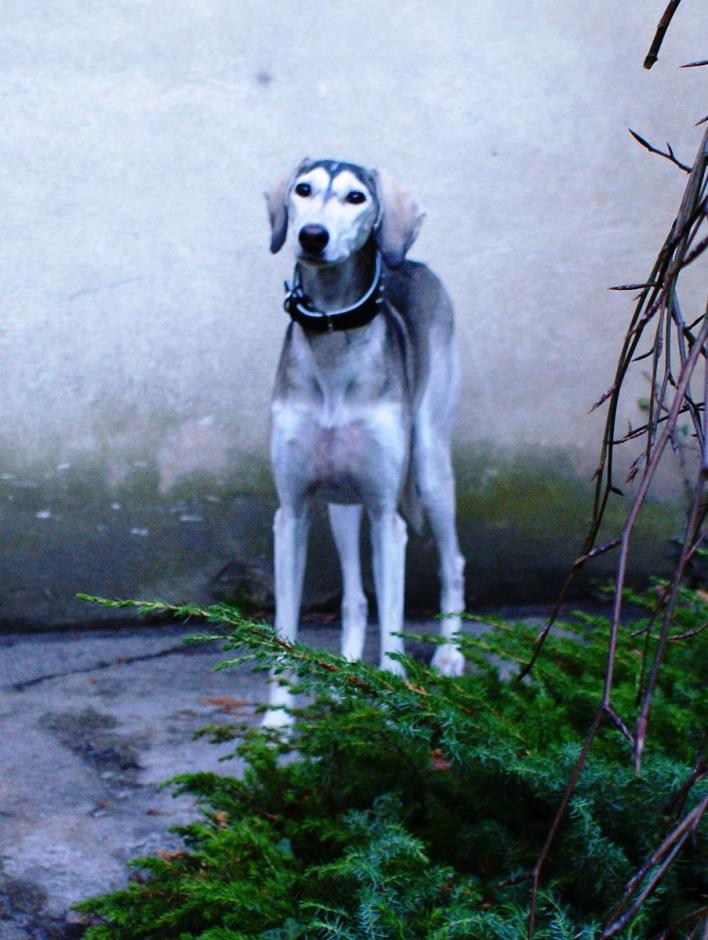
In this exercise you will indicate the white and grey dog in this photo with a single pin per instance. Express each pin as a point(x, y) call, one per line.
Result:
point(364, 401)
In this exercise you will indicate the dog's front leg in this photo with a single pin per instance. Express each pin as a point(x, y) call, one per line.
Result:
point(290, 529)
point(388, 542)
point(345, 522)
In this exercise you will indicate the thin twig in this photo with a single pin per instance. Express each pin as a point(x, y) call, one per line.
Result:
point(570, 788)
point(670, 930)
point(662, 858)
point(689, 634)
point(699, 770)
point(664, 22)
point(669, 398)
point(631, 286)
point(656, 291)
point(642, 722)
point(669, 155)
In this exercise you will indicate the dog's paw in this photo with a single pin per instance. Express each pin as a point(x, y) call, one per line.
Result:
point(277, 715)
point(277, 718)
point(353, 647)
point(392, 665)
point(449, 660)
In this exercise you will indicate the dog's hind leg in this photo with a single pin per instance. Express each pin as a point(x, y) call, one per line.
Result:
point(290, 528)
point(388, 541)
point(436, 485)
point(346, 522)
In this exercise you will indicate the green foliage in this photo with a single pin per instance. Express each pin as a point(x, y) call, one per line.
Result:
point(416, 807)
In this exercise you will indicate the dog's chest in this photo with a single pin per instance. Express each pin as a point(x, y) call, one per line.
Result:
point(339, 422)
point(340, 434)
point(340, 449)
point(335, 446)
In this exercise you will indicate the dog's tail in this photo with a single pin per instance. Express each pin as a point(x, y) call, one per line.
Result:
point(410, 505)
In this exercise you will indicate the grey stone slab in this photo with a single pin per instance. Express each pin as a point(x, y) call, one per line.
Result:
point(91, 725)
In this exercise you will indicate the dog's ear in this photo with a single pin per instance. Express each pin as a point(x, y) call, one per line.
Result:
point(399, 219)
point(277, 202)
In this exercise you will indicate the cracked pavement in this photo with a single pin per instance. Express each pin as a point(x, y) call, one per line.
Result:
point(91, 725)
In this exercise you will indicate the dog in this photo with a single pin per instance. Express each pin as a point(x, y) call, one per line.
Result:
point(365, 397)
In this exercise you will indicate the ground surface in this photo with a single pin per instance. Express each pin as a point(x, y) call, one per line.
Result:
point(91, 725)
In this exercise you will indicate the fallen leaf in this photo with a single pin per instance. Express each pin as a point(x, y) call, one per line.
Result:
point(225, 703)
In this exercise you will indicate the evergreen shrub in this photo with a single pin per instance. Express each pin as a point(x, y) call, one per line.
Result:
point(416, 807)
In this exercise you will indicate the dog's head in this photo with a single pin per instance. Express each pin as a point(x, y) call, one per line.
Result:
point(331, 209)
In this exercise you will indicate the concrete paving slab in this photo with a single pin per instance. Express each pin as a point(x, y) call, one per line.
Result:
point(91, 725)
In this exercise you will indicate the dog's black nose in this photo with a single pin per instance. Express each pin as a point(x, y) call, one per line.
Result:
point(313, 238)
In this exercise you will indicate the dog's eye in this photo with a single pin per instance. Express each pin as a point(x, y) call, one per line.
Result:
point(303, 189)
point(356, 197)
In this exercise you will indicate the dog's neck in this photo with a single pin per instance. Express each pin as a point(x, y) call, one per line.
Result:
point(333, 286)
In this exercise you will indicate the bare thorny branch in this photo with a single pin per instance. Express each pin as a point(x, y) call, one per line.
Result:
point(670, 155)
point(672, 385)
point(659, 861)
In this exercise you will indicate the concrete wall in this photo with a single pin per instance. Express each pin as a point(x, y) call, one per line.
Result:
point(141, 316)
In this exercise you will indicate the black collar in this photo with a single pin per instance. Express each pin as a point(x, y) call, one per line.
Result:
point(304, 312)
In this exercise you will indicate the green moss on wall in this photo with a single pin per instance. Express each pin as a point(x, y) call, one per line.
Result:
point(84, 527)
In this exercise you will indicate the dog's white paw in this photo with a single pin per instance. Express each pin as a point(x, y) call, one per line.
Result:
point(392, 665)
point(277, 714)
point(353, 646)
point(277, 718)
point(449, 660)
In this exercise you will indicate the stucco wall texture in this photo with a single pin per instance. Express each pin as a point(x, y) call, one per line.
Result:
point(141, 310)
